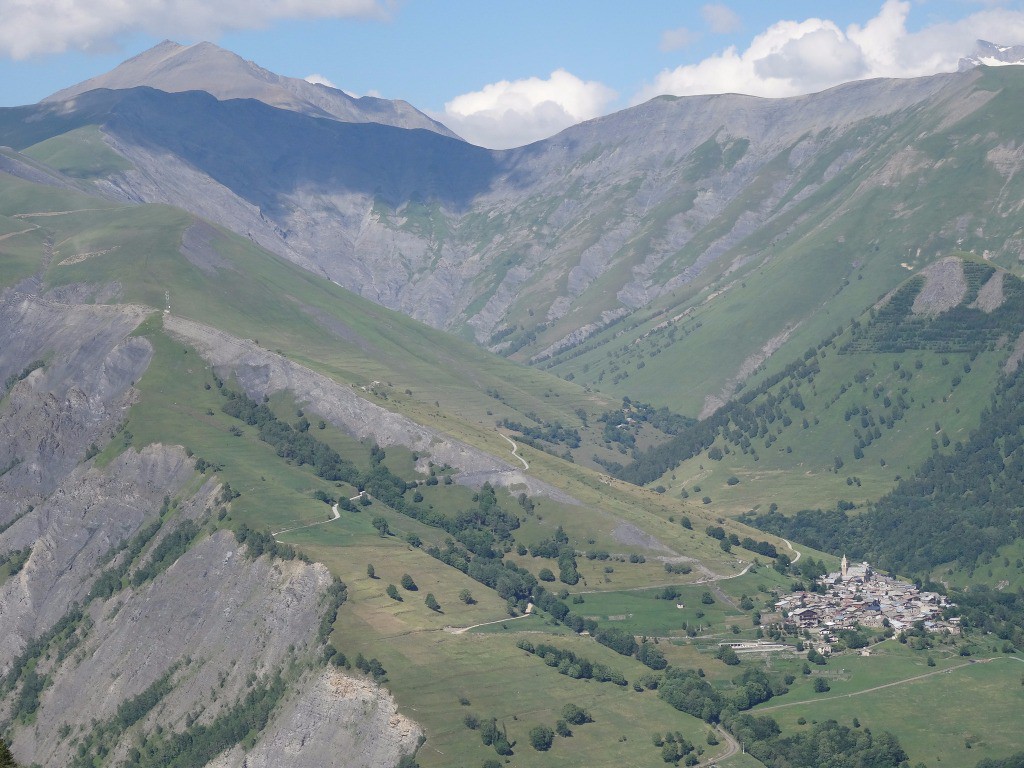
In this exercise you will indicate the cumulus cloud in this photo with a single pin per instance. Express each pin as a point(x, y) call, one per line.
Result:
point(721, 18)
point(512, 113)
point(791, 57)
point(317, 79)
point(54, 26)
point(674, 39)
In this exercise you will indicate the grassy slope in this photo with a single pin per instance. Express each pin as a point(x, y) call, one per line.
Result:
point(988, 696)
point(407, 637)
point(174, 406)
point(254, 294)
point(824, 260)
point(805, 478)
point(80, 153)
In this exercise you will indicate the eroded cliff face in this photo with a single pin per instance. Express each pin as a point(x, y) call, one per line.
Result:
point(107, 639)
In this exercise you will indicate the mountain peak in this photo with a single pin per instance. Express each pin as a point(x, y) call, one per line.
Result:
point(172, 67)
point(992, 55)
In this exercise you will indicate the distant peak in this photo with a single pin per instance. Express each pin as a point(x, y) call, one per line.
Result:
point(992, 55)
point(204, 66)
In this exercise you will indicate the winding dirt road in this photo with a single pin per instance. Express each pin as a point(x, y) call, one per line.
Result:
point(793, 549)
point(463, 630)
point(336, 515)
point(893, 684)
point(515, 450)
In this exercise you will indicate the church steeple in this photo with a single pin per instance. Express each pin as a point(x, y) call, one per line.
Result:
point(845, 568)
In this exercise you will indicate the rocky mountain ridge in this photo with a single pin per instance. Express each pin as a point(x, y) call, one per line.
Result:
point(179, 648)
point(651, 212)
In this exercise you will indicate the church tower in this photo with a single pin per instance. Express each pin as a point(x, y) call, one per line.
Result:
point(845, 568)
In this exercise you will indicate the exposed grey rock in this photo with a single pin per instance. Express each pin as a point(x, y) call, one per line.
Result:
point(90, 511)
point(944, 287)
point(79, 396)
point(334, 720)
point(990, 295)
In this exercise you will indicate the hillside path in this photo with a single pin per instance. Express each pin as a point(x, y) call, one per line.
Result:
point(793, 549)
point(463, 630)
point(515, 450)
point(334, 510)
point(731, 746)
point(893, 684)
point(22, 232)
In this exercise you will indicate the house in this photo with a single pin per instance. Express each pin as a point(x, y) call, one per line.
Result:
point(804, 617)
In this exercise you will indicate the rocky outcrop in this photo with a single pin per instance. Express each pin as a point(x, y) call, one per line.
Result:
point(945, 286)
point(194, 635)
point(77, 398)
point(334, 720)
point(261, 372)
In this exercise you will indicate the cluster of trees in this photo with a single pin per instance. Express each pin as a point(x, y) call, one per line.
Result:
point(14, 378)
point(171, 547)
point(571, 664)
point(549, 432)
point(259, 543)
point(200, 743)
point(633, 415)
point(16, 560)
point(675, 747)
point(825, 743)
point(542, 737)
point(957, 507)
point(6, 758)
point(689, 692)
point(895, 328)
point(558, 547)
point(623, 642)
point(491, 734)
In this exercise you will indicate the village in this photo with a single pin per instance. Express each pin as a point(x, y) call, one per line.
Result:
point(858, 596)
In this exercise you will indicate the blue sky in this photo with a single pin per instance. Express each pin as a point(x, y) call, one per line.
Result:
point(502, 72)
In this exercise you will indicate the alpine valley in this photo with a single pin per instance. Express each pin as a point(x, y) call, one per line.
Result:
point(329, 438)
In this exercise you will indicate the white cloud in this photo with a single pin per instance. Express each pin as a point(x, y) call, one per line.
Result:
point(54, 26)
point(791, 58)
point(721, 18)
point(674, 39)
point(512, 113)
point(317, 79)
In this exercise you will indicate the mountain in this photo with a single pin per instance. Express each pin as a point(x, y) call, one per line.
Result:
point(988, 54)
point(254, 517)
point(173, 394)
point(606, 237)
point(206, 67)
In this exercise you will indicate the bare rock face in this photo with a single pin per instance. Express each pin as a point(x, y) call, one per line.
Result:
point(944, 288)
point(90, 512)
point(78, 397)
point(335, 720)
point(204, 628)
